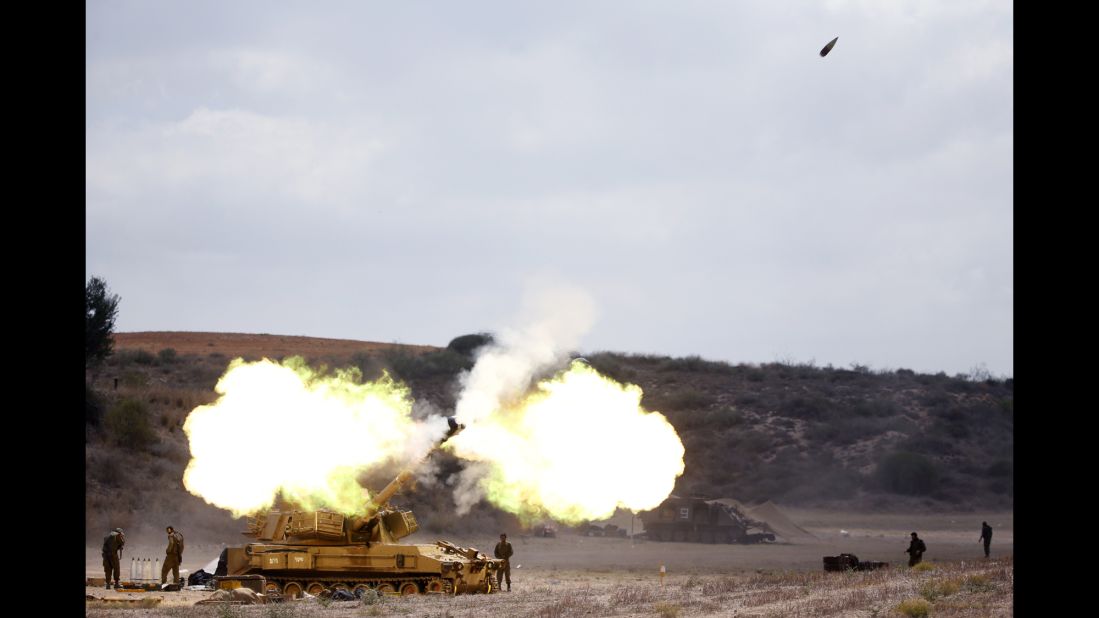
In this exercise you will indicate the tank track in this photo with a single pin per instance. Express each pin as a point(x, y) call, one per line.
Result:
point(445, 586)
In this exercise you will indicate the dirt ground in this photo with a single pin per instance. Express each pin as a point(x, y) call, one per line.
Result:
point(575, 575)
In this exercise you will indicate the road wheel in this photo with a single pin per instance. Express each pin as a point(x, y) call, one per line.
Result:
point(341, 586)
point(360, 589)
point(384, 588)
point(314, 588)
point(408, 588)
point(434, 585)
point(292, 590)
point(270, 587)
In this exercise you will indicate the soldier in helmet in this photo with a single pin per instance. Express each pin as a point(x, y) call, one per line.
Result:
point(503, 550)
point(173, 556)
point(112, 553)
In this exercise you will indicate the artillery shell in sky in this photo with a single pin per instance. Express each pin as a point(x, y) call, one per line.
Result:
point(828, 47)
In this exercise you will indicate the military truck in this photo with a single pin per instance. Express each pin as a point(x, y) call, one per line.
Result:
point(697, 520)
point(310, 551)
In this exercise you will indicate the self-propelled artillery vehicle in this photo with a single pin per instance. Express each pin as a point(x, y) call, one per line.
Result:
point(311, 551)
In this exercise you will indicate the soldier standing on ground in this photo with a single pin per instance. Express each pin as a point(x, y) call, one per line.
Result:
point(986, 536)
point(173, 556)
point(112, 553)
point(503, 550)
point(915, 550)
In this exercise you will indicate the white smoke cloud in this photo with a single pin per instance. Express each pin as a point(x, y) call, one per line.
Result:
point(467, 486)
point(556, 317)
point(520, 458)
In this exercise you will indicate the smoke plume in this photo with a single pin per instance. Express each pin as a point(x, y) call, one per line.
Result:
point(544, 436)
point(573, 445)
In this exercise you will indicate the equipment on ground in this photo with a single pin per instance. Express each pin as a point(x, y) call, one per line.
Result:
point(851, 562)
point(696, 520)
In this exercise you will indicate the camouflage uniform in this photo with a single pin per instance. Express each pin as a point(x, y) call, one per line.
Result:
point(173, 557)
point(503, 550)
point(112, 549)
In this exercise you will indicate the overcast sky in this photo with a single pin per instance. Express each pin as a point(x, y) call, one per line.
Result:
point(409, 171)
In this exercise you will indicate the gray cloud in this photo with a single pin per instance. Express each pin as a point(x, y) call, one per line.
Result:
point(404, 172)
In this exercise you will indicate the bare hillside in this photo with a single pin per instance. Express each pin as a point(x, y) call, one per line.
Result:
point(796, 434)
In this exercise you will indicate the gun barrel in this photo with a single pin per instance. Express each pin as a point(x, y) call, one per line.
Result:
point(383, 496)
point(387, 492)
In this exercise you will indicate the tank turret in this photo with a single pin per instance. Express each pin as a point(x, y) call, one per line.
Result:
point(310, 551)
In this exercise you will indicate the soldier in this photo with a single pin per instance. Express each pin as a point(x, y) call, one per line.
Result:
point(986, 536)
point(112, 553)
point(915, 550)
point(503, 550)
point(173, 556)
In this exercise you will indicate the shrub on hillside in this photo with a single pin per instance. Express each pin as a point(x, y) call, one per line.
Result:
point(136, 357)
point(724, 417)
point(853, 429)
point(446, 363)
point(930, 444)
point(687, 399)
point(754, 441)
point(843, 375)
point(877, 408)
point(467, 345)
point(109, 471)
point(810, 408)
point(127, 424)
point(935, 399)
point(369, 364)
point(168, 356)
point(611, 366)
point(960, 384)
point(835, 483)
point(134, 379)
point(93, 407)
point(747, 399)
point(695, 363)
point(953, 423)
point(908, 473)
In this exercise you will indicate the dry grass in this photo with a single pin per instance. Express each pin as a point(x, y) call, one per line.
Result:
point(935, 589)
point(915, 608)
point(666, 610)
point(968, 589)
point(138, 604)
